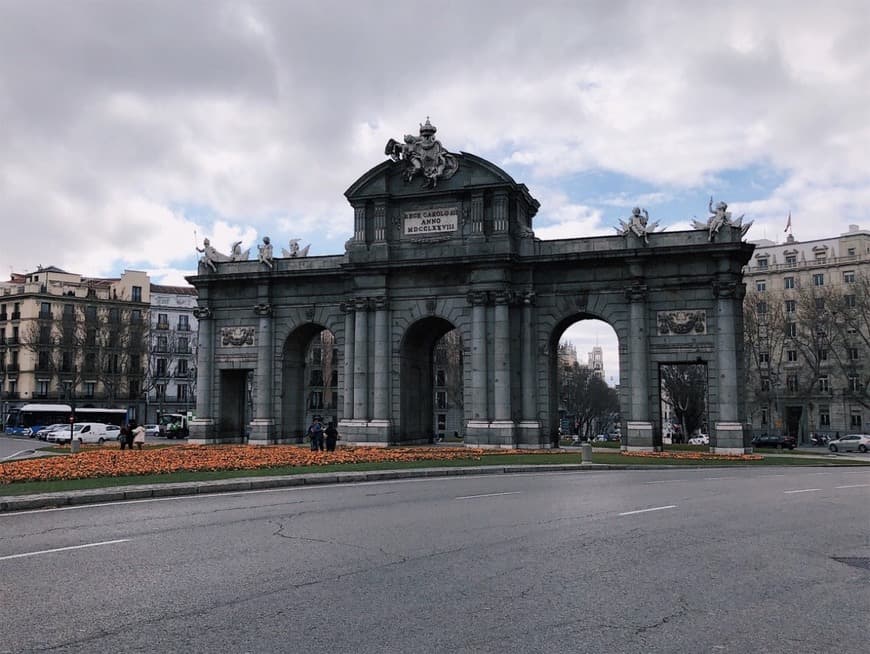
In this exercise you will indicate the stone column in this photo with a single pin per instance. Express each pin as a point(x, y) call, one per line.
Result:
point(361, 361)
point(263, 423)
point(530, 427)
point(728, 429)
point(349, 336)
point(479, 411)
point(382, 362)
point(202, 427)
point(502, 424)
point(639, 434)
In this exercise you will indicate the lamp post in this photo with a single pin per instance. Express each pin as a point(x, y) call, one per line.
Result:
point(73, 444)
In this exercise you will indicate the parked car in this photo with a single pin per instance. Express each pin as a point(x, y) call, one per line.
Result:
point(700, 439)
point(43, 433)
point(83, 432)
point(850, 443)
point(773, 440)
point(113, 433)
point(152, 430)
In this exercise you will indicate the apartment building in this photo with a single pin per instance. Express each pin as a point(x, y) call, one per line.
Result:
point(806, 343)
point(170, 380)
point(67, 338)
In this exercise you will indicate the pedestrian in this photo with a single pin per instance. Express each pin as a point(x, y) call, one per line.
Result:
point(331, 437)
point(315, 434)
point(138, 436)
point(126, 436)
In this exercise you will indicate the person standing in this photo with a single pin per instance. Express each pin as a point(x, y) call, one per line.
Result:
point(315, 434)
point(331, 437)
point(138, 436)
point(126, 436)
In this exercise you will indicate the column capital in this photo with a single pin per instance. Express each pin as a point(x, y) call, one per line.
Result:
point(202, 313)
point(478, 298)
point(503, 296)
point(361, 303)
point(637, 292)
point(728, 289)
point(381, 303)
point(347, 306)
point(528, 298)
point(263, 310)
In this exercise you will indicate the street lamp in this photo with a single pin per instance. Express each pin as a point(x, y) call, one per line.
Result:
point(73, 444)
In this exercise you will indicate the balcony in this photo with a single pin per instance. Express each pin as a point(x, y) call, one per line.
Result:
point(16, 315)
point(11, 340)
point(183, 328)
point(11, 395)
point(162, 325)
point(45, 315)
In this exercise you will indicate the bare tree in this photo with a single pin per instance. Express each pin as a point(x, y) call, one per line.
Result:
point(684, 389)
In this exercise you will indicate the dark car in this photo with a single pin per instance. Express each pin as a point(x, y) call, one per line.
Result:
point(783, 442)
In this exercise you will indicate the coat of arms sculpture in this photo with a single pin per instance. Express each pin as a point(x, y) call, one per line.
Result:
point(423, 155)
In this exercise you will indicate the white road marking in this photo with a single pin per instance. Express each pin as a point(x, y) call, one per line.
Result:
point(802, 490)
point(665, 481)
point(720, 477)
point(471, 497)
point(656, 508)
point(63, 549)
point(854, 486)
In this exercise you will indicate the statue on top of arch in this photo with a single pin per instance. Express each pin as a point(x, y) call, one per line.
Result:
point(638, 224)
point(423, 155)
point(719, 218)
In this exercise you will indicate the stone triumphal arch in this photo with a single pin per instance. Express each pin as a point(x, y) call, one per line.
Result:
point(444, 241)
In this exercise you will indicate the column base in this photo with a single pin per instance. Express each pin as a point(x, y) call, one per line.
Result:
point(728, 438)
point(638, 437)
point(530, 436)
point(498, 434)
point(365, 433)
point(201, 431)
point(262, 432)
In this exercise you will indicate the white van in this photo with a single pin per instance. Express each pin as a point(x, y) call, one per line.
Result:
point(83, 432)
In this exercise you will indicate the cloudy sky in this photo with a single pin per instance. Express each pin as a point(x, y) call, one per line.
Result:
point(131, 130)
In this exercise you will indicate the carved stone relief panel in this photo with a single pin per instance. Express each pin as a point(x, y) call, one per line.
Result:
point(237, 336)
point(680, 323)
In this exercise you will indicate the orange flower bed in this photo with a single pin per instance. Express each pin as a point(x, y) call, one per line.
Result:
point(113, 462)
point(697, 456)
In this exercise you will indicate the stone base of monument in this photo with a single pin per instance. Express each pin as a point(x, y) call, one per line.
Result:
point(728, 438)
point(638, 437)
point(498, 434)
point(529, 436)
point(201, 431)
point(262, 432)
point(365, 433)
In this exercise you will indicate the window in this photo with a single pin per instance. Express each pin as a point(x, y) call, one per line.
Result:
point(818, 279)
point(764, 416)
point(762, 263)
point(181, 393)
point(45, 310)
point(90, 362)
point(789, 282)
point(442, 422)
point(114, 315)
point(441, 399)
point(791, 383)
point(316, 377)
point(160, 391)
point(183, 347)
point(91, 313)
point(762, 308)
point(162, 321)
point(824, 416)
point(854, 383)
point(855, 421)
point(134, 388)
point(333, 380)
point(820, 304)
point(184, 323)
point(43, 360)
point(823, 354)
point(791, 260)
point(790, 306)
point(791, 330)
point(316, 355)
point(135, 363)
point(761, 285)
point(162, 344)
point(764, 357)
point(316, 400)
point(849, 277)
point(821, 256)
point(42, 388)
point(824, 385)
point(440, 377)
point(136, 294)
point(850, 301)
point(90, 389)
point(161, 367)
point(136, 316)
point(791, 356)
point(853, 353)
point(765, 384)
point(91, 338)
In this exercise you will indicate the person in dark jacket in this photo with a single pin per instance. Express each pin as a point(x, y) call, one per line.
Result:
point(331, 437)
point(126, 436)
point(315, 433)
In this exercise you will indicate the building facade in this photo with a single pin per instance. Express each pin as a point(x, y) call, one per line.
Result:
point(807, 340)
point(170, 379)
point(68, 338)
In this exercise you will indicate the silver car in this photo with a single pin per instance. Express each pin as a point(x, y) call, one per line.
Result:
point(850, 443)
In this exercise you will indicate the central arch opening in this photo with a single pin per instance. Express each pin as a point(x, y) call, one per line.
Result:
point(430, 381)
point(310, 379)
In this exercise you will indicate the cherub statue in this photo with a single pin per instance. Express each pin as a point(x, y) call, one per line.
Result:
point(638, 224)
point(720, 217)
point(265, 252)
point(295, 252)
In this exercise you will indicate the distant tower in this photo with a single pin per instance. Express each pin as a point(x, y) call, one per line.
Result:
point(596, 361)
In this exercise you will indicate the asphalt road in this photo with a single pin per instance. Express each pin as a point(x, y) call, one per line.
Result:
point(733, 560)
